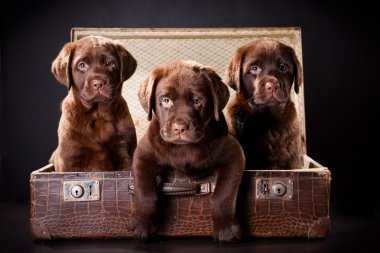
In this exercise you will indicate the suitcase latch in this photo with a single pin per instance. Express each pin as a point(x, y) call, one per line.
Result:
point(86, 190)
point(274, 188)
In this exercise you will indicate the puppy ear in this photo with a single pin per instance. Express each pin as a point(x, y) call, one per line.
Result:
point(233, 72)
point(147, 91)
point(219, 91)
point(61, 66)
point(298, 77)
point(127, 61)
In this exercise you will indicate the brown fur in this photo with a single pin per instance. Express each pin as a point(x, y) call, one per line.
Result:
point(188, 133)
point(96, 131)
point(261, 115)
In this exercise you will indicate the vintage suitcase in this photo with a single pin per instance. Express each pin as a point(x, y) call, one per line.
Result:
point(278, 203)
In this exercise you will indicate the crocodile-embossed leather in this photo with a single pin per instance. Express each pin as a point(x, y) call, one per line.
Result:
point(106, 218)
point(306, 214)
point(300, 216)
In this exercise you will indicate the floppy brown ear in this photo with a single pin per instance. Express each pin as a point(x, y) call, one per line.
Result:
point(233, 72)
point(147, 90)
point(128, 63)
point(219, 91)
point(61, 66)
point(298, 73)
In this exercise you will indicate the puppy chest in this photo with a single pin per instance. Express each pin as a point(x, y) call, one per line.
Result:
point(187, 161)
point(102, 130)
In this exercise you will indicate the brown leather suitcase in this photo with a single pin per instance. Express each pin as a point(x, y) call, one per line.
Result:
point(277, 203)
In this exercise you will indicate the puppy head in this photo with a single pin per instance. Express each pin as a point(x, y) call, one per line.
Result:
point(263, 71)
point(184, 96)
point(95, 67)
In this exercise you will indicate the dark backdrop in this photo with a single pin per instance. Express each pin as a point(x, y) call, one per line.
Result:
point(341, 70)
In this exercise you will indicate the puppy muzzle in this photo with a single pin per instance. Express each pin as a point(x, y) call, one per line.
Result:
point(268, 92)
point(98, 89)
point(181, 131)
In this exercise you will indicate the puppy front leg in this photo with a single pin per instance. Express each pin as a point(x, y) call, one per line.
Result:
point(223, 201)
point(142, 221)
point(235, 119)
point(131, 146)
point(122, 150)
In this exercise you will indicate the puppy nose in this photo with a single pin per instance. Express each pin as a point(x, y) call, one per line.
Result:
point(97, 84)
point(271, 86)
point(179, 128)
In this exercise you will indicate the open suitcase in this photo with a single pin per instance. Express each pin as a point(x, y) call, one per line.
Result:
point(277, 203)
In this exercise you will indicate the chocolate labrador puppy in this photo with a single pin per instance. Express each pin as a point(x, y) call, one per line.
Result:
point(261, 115)
point(96, 131)
point(188, 133)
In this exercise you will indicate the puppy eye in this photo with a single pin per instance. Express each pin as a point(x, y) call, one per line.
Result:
point(254, 69)
point(197, 101)
point(283, 68)
point(82, 65)
point(166, 102)
point(107, 63)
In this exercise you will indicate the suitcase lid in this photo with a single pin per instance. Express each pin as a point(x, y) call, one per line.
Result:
point(210, 46)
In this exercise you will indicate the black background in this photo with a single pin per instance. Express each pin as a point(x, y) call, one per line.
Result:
point(341, 70)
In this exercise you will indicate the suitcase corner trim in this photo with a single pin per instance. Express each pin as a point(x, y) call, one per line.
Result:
point(39, 230)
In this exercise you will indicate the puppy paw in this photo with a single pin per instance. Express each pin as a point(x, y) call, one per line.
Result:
point(142, 231)
point(229, 232)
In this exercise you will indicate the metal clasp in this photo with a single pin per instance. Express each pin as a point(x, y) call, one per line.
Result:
point(85, 190)
point(274, 188)
point(206, 188)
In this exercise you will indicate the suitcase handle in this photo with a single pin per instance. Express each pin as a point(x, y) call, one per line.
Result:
point(173, 189)
point(188, 189)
